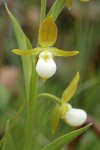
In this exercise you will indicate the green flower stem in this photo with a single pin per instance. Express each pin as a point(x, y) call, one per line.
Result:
point(31, 110)
point(32, 99)
point(43, 10)
point(52, 97)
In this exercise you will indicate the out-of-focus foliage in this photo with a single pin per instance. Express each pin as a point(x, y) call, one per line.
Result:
point(78, 29)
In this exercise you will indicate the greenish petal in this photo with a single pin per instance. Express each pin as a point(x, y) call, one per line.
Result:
point(57, 114)
point(69, 92)
point(34, 51)
point(57, 52)
point(55, 117)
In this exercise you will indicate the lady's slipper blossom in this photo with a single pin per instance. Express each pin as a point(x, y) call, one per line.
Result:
point(75, 117)
point(71, 116)
point(45, 53)
point(46, 67)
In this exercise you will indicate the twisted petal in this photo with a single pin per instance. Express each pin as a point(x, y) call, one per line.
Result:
point(69, 92)
point(47, 33)
point(34, 51)
point(57, 52)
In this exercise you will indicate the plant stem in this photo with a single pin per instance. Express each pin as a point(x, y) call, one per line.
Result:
point(52, 97)
point(31, 110)
point(32, 96)
point(43, 10)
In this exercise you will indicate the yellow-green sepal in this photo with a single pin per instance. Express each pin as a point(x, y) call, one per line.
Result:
point(34, 51)
point(55, 118)
point(57, 52)
point(69, 3)
point(57, 114)
point(47, 32)
point(71, 89)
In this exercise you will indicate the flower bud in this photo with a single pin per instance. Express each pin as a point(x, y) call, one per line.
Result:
point(75, 117)
point(46, 67)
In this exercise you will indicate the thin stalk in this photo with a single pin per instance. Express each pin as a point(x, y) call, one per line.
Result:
point(51, 97)
point(31, 110)
point(43, 10)
point(33, 90)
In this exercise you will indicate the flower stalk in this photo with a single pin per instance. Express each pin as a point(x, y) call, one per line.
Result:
point(32, 96)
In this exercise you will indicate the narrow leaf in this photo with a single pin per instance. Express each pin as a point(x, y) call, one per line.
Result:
point(57, 8)
point(65, 139)
point(23, 43)
point(69, 92)
point(13, 123)
point(47, 32)
point(34, 51)
point(43, 10)
point(8, 143)
point(57, 52)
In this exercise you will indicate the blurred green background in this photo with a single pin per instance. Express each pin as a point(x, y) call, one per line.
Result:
point(78, 29)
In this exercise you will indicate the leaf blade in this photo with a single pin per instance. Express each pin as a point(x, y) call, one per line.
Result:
point(23, 43)
point(65, 139)
point(57, 8)
point(8, 143)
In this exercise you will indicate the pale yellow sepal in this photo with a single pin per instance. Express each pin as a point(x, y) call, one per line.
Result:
point(69, 3)
point(69, 92)
point(57, 52)
point(34, 51)
point(47, 32)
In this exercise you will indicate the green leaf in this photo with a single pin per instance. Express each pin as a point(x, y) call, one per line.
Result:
point(13, 122)
point(24, 44)
point(57, 8)
point(65, 139)
point(70, 91)
point(8, 143)
point(43, 10)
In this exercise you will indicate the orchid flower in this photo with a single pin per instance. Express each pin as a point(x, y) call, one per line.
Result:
point(45, 52)
point(72, 116)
